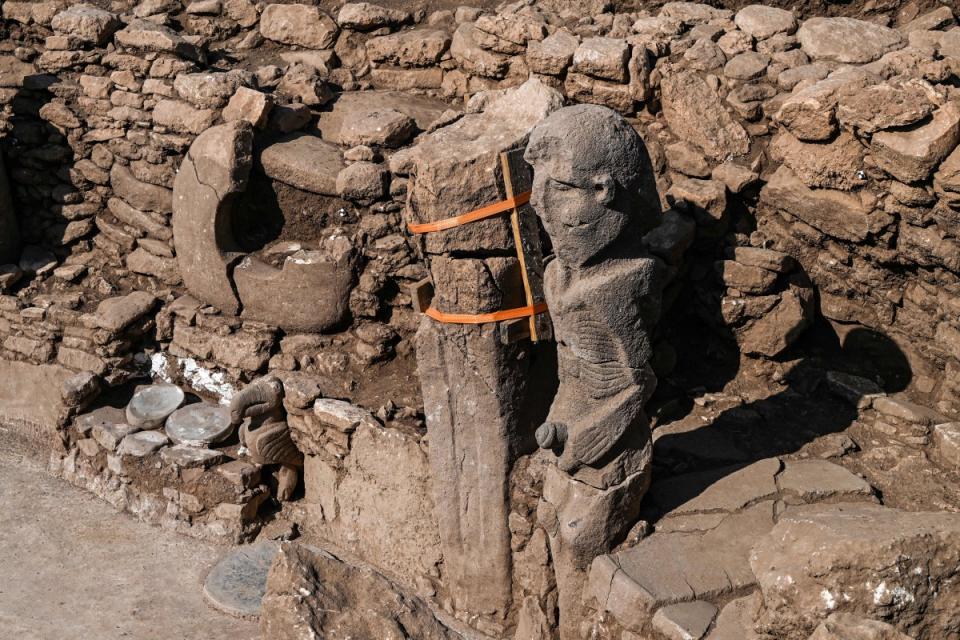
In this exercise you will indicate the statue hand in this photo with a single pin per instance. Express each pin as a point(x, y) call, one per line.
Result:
point(552, 435)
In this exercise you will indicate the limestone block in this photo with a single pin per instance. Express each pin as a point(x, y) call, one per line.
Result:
point(762, 22)
point(694, 113)
point(911, 156)
point(847, 40)
point(861, 559)
point(298, 24)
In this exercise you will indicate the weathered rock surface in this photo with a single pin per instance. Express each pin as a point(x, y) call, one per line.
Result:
point(694, 112)
point(305, 162)
point(312, 594)
point(865, 559)
point(843, 626)
point(911, 156)
point(763, 22)
point(298, 24)
point(847, 40)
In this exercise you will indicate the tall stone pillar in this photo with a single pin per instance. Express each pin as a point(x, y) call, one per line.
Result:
point(473, 383)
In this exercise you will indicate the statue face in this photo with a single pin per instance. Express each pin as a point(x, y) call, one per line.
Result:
point(576, 209)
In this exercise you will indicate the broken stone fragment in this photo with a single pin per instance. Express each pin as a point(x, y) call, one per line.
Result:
point(911, 156)
point(694, 112)
point(207, 90)
point(475, 59)
point(692, 13)
point(189, 457)
point(604, 58)
point(142, 443)
point(837, 164)
point(685, 621)
point(181, 117)
point(847, 40)
point(298, 24)
point(810, 113)
point(746, 66)
point(86, 23)
point(553, 54)
point(745, 278)
point(302, 83)
point(249, 105)
point(836, 213)
point(363, 181)
point(110, 434)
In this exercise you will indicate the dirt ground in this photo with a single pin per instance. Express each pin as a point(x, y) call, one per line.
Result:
point(73, 568)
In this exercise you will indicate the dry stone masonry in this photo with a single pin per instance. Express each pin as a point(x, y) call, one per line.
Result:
point(210, 305)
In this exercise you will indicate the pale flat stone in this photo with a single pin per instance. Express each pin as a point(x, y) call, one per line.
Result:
point(142, 443)
point(85, 422)
point(199, 425)
point(151, 405)
point(905, 410)
point(685, 621)
point(847, 40)
point(109, 435)
point(187, 456)
point(237, 583)
point(818, 480)
point(305, 162)
point(763, 22)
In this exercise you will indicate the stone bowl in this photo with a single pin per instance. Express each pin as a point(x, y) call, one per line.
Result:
point(151, 405)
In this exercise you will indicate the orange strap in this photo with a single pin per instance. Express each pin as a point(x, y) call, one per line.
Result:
point(479, 214)
point(481, 318)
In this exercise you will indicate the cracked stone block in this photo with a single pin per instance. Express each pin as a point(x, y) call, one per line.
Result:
point(847, 40)
point(109, 435)
point(946, 444)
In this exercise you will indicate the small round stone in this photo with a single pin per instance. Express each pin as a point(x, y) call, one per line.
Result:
point(237, 584)
point(151, 405)
point(199, 425)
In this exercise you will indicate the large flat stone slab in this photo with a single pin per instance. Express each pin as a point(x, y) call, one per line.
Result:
point(847, 40)
point(305, 162)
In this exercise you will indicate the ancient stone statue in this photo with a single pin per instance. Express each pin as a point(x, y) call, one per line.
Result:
point(266, 435)
point(593, 191)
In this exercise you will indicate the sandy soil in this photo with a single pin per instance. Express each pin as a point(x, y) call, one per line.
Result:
point(73, 568)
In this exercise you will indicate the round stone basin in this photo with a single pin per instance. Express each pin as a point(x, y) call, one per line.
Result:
point(150, 406)
point(199, 425)
point(237, 583)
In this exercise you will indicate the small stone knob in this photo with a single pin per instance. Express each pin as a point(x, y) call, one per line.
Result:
point(550, 435)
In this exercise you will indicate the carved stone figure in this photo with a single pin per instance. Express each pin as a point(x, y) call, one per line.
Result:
point(266, 435)
point(593, 190)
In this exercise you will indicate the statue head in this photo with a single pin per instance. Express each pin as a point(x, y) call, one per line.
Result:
point(593, 182)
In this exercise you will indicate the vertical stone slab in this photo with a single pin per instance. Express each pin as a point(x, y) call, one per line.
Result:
point(472, 383)
point(9, 231)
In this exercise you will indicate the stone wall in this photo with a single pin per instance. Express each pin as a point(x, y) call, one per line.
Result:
point(807, 169)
